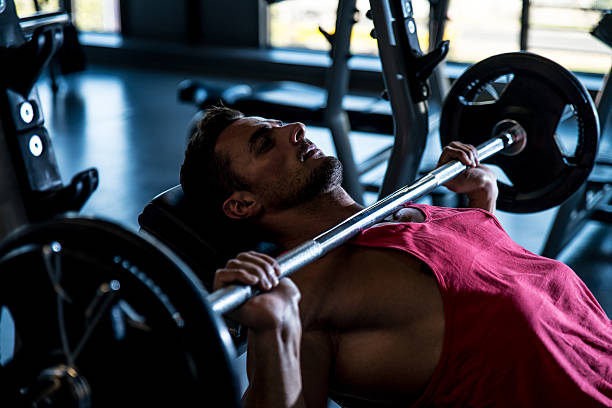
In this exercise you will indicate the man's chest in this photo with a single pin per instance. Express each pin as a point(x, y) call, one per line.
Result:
point(382, 314)
point(358, 288)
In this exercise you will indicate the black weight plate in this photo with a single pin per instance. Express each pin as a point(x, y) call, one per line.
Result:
point(156, 342)
point(537, 93)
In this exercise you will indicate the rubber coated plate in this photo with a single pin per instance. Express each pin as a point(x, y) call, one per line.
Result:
point(552, 106)
point(117, 306)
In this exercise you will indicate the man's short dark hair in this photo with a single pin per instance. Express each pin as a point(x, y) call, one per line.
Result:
point(207, 177)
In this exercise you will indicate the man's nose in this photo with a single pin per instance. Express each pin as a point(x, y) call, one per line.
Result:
point(297, 130)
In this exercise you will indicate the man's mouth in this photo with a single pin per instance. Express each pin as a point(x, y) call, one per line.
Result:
point(311, 151)
point(308, 151)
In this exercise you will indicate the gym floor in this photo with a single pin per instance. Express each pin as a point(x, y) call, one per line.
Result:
point(129, 124)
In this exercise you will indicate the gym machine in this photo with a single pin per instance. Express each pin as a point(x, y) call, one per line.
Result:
point(69, 56)
point(406, 71)
point(66, 298)
point(100, 315)
point(439, 82)
point(30, 181)
point(328, 107)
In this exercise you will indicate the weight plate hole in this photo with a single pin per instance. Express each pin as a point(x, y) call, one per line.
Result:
point(7, 340)
point(565, 134)
point(500, 174)
point(488, 92)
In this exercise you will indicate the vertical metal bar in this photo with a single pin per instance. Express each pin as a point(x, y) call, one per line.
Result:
point(524, 39)
point(438, 82)
point(125, 21)
point(336, 83)
point(410, 119)
point(66, 5)
point(263, 21)
point(438, 10)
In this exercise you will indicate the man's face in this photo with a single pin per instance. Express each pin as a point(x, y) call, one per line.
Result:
point(281, 166)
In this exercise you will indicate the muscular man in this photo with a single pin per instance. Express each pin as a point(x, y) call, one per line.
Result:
point(434, 307)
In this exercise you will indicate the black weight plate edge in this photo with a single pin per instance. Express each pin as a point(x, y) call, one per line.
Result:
point(513, 57)
point(12, 245)
point(577, 175)
point(588, 144)
point(461, 82)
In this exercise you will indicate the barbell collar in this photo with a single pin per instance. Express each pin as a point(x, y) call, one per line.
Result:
point(231, 297)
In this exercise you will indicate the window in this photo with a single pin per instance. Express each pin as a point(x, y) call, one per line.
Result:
point(560, 30)
point(27, 8)
point(478, 29)
point(294, 24)
point(557, 29)
point(96, 15)
point(88, 15)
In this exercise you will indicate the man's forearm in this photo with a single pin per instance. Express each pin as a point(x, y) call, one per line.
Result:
point(274, 370)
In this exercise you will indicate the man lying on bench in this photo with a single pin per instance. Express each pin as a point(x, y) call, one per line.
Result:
point(436, 307)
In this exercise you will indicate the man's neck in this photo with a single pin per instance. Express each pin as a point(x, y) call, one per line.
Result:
point(291, 227)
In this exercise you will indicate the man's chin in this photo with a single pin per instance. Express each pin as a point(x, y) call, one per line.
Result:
point(322, 180)
point(325, 177)
point(330, 173)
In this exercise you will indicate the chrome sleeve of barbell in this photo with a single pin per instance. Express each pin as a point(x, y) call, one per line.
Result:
point(495, 145)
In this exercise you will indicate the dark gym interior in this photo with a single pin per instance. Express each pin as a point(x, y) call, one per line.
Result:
point(121, 91)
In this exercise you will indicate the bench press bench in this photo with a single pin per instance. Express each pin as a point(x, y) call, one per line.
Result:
point(203, 242)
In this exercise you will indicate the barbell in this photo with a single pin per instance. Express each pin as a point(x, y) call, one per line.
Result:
point(508, 137)
point(100, 314)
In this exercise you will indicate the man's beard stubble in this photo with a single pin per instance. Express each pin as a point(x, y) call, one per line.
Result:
point(321, 180)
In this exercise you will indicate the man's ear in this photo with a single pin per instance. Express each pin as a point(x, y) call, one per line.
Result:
point(241, 205)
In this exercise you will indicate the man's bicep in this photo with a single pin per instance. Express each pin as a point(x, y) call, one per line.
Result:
point(316, 357)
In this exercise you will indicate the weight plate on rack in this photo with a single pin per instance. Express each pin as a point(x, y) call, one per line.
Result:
point(553, 107)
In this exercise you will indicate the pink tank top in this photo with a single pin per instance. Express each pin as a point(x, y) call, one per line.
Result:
point(521, 330)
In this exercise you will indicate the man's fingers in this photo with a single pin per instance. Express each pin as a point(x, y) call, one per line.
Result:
point(475, 155)
point(250, 268)
point(264, 281)
point(224, 277)
point(254, 265)
point(465, 153)
point(266, 262)
point(271, 261)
